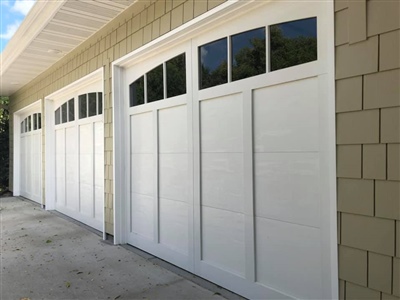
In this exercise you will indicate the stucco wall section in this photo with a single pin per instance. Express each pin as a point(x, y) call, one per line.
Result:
point(136, 26)
point(367, 39)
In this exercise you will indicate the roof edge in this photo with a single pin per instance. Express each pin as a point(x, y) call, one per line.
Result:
point(38, 17)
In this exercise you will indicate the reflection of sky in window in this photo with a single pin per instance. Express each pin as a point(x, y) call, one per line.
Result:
point(305, 27)
point(212, 55)
point(243, 40)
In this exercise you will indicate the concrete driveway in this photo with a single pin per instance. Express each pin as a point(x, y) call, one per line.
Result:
point(45, 256)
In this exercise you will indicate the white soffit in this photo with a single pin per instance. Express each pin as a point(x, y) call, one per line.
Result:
point(52, 26)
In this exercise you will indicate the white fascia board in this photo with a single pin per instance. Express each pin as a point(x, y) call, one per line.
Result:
point(39, 16)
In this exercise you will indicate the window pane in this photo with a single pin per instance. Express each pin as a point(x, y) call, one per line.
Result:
point(39, 120)
point(64, 113)
point(82, 107)
point(71, 110)
point(248, 54)
point(92, 104)
point(293, 43)
point(136, 92)
point(100, 106)
point(29, 123)
point(155, 84)
point(26, 124)
point(213, 64)
point(22, 127)
point(176, 76)
point(34, 121)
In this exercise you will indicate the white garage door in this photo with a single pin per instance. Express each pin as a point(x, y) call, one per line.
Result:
point(227, 136)
point(31, 157)
point(79, 158)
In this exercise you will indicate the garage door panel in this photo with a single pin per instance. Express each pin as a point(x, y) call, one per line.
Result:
point(172, 127)
point(174, 176)
point(86, 197)
point(283, 252)
point(29, 161)
point(98, 138)
point(99, 170)
point(36, 165)
point(71, 169)
point(274, 173)
point(222, 181)
point(60, 167)
point(174, 225)
point(23, 163)
point(286, 117)
point(223, 239)
point(142, 215)
point(142, 174)
point(221, 122)
point(86, 139)
point(98, 204)
point(86, 168)
point(141, 130)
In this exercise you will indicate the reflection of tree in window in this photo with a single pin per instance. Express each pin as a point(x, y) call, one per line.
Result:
point(176, 76)
point(213, 64)
point(57, 116)
point(92, 104)
point(100, 105)
point(82, 106)
point(293, 43)
point(136, 92)
point(64, 113)
point(34, 121)
point(248, 54)
point(71, 110)
point(155, 84)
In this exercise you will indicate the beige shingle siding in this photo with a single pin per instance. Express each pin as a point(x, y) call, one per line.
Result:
point(368, 152)
point(139, 24)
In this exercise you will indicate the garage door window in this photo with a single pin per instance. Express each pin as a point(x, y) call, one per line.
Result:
point(248, 54)
point(176, 76)
point(152, 86)
point(90, 105)
point(136, 91)
point(71, 110)
point(155, 84)
point(213, 63)
point(65, 113)
point(293, 43)
point(31, 123)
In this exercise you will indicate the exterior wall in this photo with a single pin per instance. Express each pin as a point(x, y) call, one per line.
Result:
point(138, 25)
point(367, 42)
